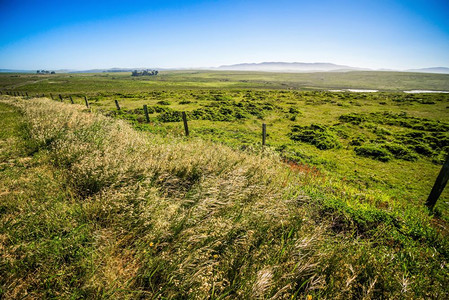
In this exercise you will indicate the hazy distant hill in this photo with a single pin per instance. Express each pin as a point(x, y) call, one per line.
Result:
point(439, 70)
point(289, 67)
point(294, 67)
point(15, 71)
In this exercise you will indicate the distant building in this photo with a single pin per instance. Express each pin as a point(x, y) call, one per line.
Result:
point(144, 73)
point(44, 72)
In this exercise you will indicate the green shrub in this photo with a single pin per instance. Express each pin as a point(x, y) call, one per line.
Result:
point(353, 118)
point(423, 149)
point(357, 141)
point(373, 151)
point(317, 135)
point(381, 131)
point(185, 102)
point(293, 110)
point(163, 102)
point(400, 152)
point(170, 116)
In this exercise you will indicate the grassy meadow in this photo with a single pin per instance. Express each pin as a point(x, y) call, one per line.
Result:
point(98, 203)
point(390, 141)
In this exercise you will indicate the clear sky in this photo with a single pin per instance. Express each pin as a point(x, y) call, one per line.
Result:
point(83, 34)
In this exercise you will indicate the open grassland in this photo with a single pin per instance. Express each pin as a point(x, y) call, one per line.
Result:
point(390, 142)
point(92, 208)
point(173, 80)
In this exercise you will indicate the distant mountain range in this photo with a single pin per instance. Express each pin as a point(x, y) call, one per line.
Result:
point(439, 70)
point(315, 67)
point(294, 67)
point(290, 67)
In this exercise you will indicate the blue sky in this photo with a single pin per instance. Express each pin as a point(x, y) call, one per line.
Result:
point(103, 34)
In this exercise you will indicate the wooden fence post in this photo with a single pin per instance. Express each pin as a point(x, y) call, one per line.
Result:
point(439, 185)
point(26, 93)
point(87, 102)
point(264, 133)
point(184, 119)
point(60, 97)
point(145, 110)
point(51, 95)
point(116, 104)
point(71, 99)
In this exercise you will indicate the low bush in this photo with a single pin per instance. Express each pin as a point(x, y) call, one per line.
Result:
point(163, 102)
point(317, 135)
point(357, 141)
point(185, 102)
point(373, 151)
point(170, 116)
point(353, 118)
point(400, 152)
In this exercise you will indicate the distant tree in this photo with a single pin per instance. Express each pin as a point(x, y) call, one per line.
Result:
point(53, 72)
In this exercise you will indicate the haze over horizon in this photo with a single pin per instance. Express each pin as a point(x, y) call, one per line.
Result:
point(193, 34)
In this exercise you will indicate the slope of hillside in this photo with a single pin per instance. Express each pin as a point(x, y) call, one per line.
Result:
point(91, 208)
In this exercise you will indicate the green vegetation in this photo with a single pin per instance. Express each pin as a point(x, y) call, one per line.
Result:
point(317, 135)
point(173, 215)
point(98, 203)
point(407, 130)
point(169, 80)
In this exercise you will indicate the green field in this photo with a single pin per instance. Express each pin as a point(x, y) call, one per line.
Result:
point(123, 82)
point(332, 207)
point(398, 147)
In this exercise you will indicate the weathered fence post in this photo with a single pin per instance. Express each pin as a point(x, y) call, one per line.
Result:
point(26, 93)
point(60, 97)
point(186, 126)
point(145, 110)
point(87, 102)
point(439, 185)
point(51, 95)
point(116, 104)
point(71, 99)
point(43, 95)
point(264, 133)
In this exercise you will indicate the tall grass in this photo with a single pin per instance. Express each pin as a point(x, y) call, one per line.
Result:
point(123, 214)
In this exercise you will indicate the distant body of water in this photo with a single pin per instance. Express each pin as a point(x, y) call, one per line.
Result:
point(424, 91)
